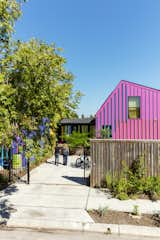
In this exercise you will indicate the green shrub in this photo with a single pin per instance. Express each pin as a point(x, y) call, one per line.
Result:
point(136, 211)
point(133, 196)
point(102, 211)
point(122, 196)
point(133, 181)
point(148, 187)
point(109, 180)
point(156, 185)
point(152, 184)
point(122, 186)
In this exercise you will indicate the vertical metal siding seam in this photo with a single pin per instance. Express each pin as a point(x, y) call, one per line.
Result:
point(111, 111)
point(122, 104)
point(149, 113)
point(134, 94)
point(104, 115)
point(126, 103)
point(153, 109)
point(115, 112)
point(118, 106)
point(157, 112)
point(126, 115)
point(145, 133)
point(108, 113)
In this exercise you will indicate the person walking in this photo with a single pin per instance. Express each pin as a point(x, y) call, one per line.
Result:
point(57, 152)
point(65, 154)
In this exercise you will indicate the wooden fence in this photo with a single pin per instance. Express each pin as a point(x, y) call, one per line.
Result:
point(107, 156)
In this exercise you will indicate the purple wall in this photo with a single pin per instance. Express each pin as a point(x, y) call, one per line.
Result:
point(114, 112)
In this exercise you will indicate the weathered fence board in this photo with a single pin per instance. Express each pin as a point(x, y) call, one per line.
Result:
point(107, 156)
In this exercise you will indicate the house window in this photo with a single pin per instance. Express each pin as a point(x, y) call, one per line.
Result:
point(106, 131)
point(133, 107)
point(79, 128)
point(65, 129)
point(74, 128)
point(69, 129)
point(84, 128)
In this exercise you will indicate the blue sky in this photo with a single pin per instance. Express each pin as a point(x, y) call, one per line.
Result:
point(104, 41)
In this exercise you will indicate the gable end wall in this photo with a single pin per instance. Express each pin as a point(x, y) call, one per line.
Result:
point(114, 112)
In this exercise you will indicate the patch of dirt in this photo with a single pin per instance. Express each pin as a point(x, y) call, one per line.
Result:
point(124, 218)
point(152, 197)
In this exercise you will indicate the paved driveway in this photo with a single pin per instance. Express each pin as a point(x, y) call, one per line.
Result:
point(55, 194)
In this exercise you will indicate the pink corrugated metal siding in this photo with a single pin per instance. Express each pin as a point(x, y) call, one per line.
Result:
point(114, 112)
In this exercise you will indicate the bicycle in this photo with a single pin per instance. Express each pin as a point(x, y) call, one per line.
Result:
point(81, 162)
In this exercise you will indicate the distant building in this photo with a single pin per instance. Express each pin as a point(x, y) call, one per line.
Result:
point(131, 111)
point(82, 125)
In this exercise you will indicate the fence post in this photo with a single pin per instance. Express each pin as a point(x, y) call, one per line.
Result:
point(10, 164)
point(84, 163)
point(10, 170)
point(28, 171)
point(110, 158)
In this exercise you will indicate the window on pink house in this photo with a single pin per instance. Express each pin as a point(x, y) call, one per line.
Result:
point(133, 107)
point(106, 131)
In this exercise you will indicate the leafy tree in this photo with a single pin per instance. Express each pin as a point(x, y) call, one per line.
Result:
point(43, 88)
point(33, 81)
point(7, 112)
point(10, 11)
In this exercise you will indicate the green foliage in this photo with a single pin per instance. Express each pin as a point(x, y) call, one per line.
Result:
point(36, 86)
point(102, 211)
point(152, 184)
point(109, 180)
point(29, 148)
point(122, 196)
point(7, 112)
point(133, 181)
point(152, 187)
point(77, 139)
point(33, 84)
point(42, 85)
point(33, 149)
point(10, 11)
point(136, 211)
point(122, 186)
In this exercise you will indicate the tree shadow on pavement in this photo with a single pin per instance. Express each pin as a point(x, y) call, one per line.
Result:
point(5, 207)
point(53, 163)
point(79, 180)
point(10, 190)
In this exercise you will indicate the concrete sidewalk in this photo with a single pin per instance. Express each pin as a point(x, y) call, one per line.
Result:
point(58, 198)
point(56, 193)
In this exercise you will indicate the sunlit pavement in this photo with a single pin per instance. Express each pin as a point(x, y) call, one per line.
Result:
point(57, 198)
point(61, 235)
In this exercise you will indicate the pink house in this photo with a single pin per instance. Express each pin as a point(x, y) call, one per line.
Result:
point(131, 111)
